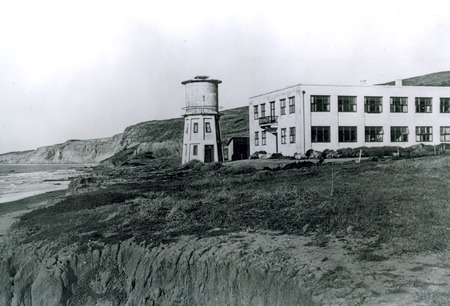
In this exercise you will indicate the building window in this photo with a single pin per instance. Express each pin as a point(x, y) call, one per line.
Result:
point(292, 135)
point(423, 105)
point(424, 133)
point(445, 133)
point(399, 133)
point(195, 150)
point(255, 112)
point(445, 105)
point(320, 134)
point(272, 109)
point(346, 104)
point(374, 133)
point(283, 106)
point(373, 104)
point(283, 136)
point(347, 134)
point(263, 138)
point(195, 127)
point(208, 127)
point(263, 110)
point(320, 103)
point(399, 105)
point(291, 105)
point(256, 138)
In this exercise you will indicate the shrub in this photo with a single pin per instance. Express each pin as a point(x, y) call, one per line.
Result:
point(276, 156)
point(257, 153)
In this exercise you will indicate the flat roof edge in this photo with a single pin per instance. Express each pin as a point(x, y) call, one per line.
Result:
point(328, 85)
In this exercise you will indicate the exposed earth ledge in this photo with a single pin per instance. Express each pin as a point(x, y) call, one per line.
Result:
point(245, 268)
point(79, 251)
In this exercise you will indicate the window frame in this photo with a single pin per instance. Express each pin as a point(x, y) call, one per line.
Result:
point(195, 150)
point(323, 106)
point(444, 133)
point(291, 105)
point(292, 134)
point(399, 106)
point(424, 133)
point(444, 106)
point(283, 106)
point(403, 136)
point(263, 110)
point(255, 112)
point(208, 127)
point(347, 106)
point(376, 132)
point(347, 134)
point(320, 134)
point(427, 108)
point(373, 104)
point(272, 108)
point(256, 138)
point(195, 127)
point(283, 136)
point(263, 138)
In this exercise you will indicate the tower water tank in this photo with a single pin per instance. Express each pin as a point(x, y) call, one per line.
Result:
point(202, 138)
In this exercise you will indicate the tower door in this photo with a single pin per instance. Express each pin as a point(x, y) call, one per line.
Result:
point(209, 154)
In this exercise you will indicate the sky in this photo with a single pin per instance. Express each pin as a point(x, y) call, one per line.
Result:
point(88, 69)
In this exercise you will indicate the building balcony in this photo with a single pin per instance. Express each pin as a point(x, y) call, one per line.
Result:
point(268, 121)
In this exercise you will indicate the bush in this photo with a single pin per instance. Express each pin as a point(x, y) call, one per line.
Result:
point(276, 156)
point(257, 153)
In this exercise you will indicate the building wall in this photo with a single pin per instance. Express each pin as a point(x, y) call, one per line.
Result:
point(199, 131)
point(304, 118)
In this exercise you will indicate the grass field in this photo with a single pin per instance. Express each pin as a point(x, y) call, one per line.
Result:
point(401, 205)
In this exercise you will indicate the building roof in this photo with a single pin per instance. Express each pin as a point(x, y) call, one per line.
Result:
point(201, 79)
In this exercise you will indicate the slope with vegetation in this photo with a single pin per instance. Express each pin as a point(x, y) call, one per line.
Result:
point(433, 79)
point(246, 233)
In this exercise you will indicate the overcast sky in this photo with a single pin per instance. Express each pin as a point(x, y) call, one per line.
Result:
point(88, 69)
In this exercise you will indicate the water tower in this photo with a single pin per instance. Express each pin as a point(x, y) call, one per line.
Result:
point(202, 139)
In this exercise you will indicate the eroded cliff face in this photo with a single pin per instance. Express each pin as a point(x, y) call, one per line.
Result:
point(70, 152)
point(223, 270)
point(160, 137)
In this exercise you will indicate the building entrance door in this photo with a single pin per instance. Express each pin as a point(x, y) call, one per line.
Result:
point(209, 154)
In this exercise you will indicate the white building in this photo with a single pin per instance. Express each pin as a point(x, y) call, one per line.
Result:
point(302, 117)
point(202, 137)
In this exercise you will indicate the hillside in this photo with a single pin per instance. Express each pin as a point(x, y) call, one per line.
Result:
point(254, 232)
point(433, 79)
point(160, 137)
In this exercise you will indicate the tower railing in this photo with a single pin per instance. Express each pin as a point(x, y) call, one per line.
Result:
point(191, 110)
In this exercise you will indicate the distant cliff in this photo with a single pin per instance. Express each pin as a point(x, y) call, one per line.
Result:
point(160, 137)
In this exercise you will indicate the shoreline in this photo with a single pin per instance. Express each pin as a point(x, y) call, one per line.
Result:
point(11, 211)
point(30, 202)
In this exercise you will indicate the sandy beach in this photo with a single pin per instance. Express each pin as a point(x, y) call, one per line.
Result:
point(11, 211)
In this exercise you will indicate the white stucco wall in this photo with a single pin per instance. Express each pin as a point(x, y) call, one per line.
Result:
point(303, 118)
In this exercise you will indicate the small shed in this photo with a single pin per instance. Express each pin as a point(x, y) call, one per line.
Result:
point(238, 148)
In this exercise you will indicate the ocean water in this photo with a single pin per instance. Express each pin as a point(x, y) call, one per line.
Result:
point(21, 181)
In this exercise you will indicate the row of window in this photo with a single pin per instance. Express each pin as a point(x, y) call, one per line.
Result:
point(283, 136)
point(291, 101)
point(348, 104)
point(376, 134)
point(372, 134)
point(195, 127)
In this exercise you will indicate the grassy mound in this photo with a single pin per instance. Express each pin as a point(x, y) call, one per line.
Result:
point(400, 203)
